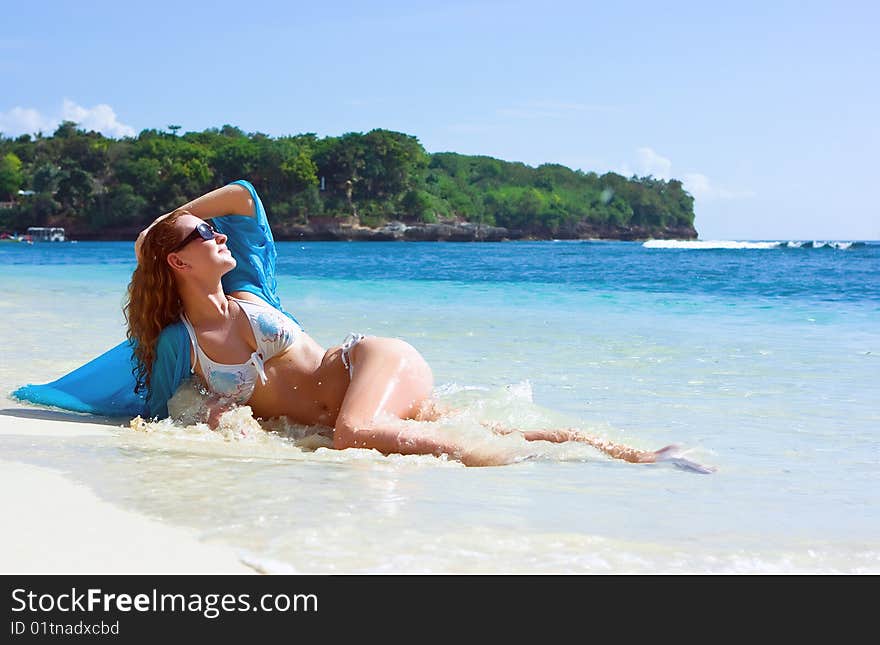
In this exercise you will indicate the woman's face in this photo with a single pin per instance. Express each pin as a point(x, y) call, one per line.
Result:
point(200, 257)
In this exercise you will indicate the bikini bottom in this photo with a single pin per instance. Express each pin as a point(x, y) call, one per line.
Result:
point(347, 345)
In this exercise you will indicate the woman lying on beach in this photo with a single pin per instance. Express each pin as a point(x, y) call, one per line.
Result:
point(203, 310)
point(203, 297)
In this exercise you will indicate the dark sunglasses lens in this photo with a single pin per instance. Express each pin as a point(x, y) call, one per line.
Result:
point(206, 231)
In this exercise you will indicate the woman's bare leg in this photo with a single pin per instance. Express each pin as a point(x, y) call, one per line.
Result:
point(390, 379)
point(615, 450)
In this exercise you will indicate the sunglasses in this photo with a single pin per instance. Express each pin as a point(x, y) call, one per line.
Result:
point(203, 230)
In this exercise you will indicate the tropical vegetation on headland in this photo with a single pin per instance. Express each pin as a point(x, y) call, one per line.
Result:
point(322, 188)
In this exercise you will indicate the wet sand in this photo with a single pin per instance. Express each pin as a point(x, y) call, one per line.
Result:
point(54, 525)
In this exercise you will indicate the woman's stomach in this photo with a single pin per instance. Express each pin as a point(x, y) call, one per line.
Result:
point(304, 384)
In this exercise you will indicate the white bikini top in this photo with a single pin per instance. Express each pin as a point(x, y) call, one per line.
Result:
point(274, 333)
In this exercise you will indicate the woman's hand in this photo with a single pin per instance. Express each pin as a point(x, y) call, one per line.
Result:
point(214, 409)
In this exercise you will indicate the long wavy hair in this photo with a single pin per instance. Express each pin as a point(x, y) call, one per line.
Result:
point(152, 302)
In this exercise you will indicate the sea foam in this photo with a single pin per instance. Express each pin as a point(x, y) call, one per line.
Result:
point(737, 245)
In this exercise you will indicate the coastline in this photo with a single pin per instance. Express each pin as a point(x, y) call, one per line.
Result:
point(469, 232)
point(56, 525)
point(336, 231)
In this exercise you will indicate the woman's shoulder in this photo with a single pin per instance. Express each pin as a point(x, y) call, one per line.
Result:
point(249, 297)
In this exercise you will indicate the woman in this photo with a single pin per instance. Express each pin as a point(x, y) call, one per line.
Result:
point(191, 301)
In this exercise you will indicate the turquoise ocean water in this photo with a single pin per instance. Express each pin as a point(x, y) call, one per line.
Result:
point(762, 359)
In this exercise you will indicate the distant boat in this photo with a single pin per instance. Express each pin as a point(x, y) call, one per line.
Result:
point(15, 237)
point(46, 234)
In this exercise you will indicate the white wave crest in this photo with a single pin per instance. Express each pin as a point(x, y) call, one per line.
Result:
point(734, 244)
point(708, 244)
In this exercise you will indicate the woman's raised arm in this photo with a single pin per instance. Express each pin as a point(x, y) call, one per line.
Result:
point(232, 199)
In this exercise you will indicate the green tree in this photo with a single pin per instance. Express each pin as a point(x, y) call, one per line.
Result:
point(75, 188)
point(120, 206)
point(417, 206)
point(299, 171)
point(45, 178)
point(377, 176)
point(11, 178)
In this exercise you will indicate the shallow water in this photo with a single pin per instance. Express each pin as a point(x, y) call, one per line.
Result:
point(762, 361)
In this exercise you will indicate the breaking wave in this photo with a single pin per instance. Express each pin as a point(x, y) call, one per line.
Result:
point(736, 245)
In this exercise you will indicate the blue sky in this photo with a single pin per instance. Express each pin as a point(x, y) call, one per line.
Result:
point(768, 111)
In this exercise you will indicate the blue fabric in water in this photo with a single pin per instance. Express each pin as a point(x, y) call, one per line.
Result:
point(102, 386)
point(106, 384)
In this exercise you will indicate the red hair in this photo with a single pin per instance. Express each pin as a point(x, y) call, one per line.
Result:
point(153, 301)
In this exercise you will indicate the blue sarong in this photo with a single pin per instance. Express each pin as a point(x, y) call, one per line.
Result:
point(106, 384)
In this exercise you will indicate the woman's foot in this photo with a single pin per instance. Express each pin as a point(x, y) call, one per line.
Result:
point(674, 455)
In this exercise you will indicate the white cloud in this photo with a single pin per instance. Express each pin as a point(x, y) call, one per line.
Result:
point(699, 185)
point(101, 118)
point(650, 162)
point(24, 120)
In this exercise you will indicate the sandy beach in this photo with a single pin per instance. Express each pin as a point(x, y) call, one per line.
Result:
point(55, 525)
